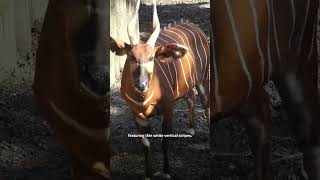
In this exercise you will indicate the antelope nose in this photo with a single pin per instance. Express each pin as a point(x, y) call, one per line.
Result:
point(142, 86)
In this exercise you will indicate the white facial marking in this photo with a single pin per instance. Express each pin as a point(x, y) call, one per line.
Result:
point(140, 103)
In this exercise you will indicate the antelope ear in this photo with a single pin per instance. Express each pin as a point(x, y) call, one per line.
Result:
point(170, 52)
point(119, 47)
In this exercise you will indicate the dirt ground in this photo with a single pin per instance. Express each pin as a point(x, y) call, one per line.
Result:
point(28, 150)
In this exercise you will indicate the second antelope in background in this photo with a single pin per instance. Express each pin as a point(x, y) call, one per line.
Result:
point(256, 41)
point(157, 73)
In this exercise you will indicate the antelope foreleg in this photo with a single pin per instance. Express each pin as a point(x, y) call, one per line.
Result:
point(204, 98)
point(166, 130)
point(146, 150)
point(192, 123)
point(256, 117)
point(260, 144)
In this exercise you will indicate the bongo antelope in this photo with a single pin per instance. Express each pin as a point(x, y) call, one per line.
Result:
point(260, 40)
point(72, 51)
point(156, 73)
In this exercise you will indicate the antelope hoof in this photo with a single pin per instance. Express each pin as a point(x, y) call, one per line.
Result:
point(191, 131)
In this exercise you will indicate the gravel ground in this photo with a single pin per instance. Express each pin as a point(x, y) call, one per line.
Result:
point(28, 150)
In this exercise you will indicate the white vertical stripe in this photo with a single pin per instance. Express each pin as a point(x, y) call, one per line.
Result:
point(195, 39)
point(165, 76)
point(186, 37)
point(304, 26)
point(203, 35)
point(268, 46)
point(185, 55)
point(204, 49)
point(161, 39)
point(175, 41)
point(237, 39)
point(293, 8)
point(193, 57)
point(177, 81)
point(167, 62)
point(178, 36)
point(275, 31)
point(174, 64)
point(190, 70)
point(216, 79)
point(207, 43)
point(170, 72)
point(256, 28)
point(184, 74)
point(313, 38)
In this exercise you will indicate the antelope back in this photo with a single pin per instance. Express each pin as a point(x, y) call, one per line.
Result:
point(190, 70)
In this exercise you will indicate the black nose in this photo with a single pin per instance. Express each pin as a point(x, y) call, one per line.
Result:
point(142, 86)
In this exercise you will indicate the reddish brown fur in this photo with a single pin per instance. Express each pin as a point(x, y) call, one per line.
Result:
point(294, 73)
point(159, 84)
point(162, 91)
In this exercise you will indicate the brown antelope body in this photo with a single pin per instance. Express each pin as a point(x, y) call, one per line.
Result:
point(157, 73)
point(260, 40)
point(71, 52)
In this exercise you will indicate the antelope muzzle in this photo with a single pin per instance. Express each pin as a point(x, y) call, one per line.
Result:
point(141, 79)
